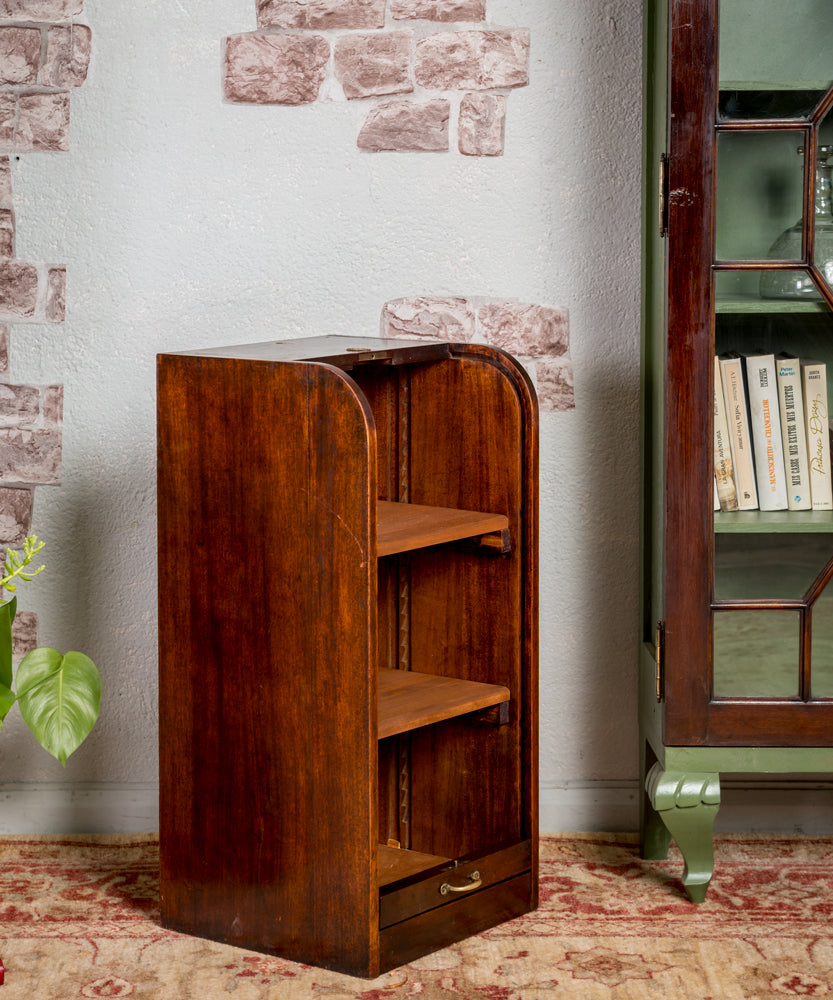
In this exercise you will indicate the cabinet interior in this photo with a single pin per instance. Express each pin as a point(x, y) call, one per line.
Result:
point(448, 600)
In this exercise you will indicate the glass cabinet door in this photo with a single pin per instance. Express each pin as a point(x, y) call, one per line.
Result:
point(772, 598)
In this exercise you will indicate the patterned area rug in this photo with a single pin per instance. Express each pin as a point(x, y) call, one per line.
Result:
point(79, 919)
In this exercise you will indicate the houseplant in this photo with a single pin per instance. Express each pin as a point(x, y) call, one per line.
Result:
point(58, 694)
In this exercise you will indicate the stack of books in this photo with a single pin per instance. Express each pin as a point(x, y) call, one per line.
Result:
point(771, 435)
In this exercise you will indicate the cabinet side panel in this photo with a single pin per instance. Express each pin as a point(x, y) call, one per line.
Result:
point(267, 636)
point(473, 614)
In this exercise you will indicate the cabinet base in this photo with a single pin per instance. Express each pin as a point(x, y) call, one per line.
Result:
point(681, 797)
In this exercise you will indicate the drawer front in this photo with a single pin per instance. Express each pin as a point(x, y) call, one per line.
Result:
point(466, 880)
point(445, 925)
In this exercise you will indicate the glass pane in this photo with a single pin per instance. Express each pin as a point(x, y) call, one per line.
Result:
point(751, 291)
point(748, 321)
point(821, 661)
point(756, 654)
point(823, 238)
point(776, 566)
point(760, 185)
point(776, 58)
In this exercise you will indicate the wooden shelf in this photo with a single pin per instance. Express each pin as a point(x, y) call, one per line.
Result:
point(403, 527)
point(774, 521)
point(409, 700)
point(395, 863)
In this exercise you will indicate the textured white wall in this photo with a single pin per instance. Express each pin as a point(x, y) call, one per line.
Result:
point(186, 222)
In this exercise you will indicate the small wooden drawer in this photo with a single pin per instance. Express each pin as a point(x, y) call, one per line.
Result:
point(456, 880)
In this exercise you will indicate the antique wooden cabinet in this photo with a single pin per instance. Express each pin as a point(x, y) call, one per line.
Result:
point(348, 646)
point(737, 624)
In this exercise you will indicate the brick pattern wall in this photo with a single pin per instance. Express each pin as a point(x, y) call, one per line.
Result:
point(537, 335)
point(430, 69)
point(43, 55)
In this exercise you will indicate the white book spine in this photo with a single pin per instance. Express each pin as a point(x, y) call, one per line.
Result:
point(765, 420)
point(814, 386)
point(793, 436)
point(727, 494)
point(736, 417)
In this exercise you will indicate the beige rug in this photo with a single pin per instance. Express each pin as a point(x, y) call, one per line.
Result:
point(79, 920)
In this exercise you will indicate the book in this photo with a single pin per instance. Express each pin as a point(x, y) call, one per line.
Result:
point(765, 426)
point(793, 435)
point(737, 418)
point(814, 387)
point(724, 474)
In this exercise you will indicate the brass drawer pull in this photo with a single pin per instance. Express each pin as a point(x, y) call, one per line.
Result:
point(474, 882)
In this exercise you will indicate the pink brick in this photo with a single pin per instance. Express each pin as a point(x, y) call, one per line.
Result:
point(30, 457)
point(19, 405)
point(5, 181)
point(8, 113)
point(526, 330)
point(321, 13)
point(439, 10)
point(4, 347)
point(371, 65)
point(6, 233)
point(56, 295)
point(446, 318)
point(53, 406)
point(481, 126)
point(43, 122)
point(24, 633)
point(473, 60)
point(554, 378)
point(67, 56)
point(15, 515)
point(41, 10)
point(18, 288)
point(19, 55)
point(406, 126)
point(275, 69)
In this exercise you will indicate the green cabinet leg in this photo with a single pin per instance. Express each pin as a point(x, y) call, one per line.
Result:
point(687, 803)
point(654, 838)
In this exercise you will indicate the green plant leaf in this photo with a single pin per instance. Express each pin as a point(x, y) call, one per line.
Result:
point(7, 700)
point(59, 697)
point(7, 612)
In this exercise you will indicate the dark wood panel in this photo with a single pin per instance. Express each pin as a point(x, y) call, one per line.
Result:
point(689, 363)
point(770, 723)
point(264, 536)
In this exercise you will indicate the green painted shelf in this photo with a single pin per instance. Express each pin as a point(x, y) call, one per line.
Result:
point(754, 304)
point(780, 521)
point(767, 86)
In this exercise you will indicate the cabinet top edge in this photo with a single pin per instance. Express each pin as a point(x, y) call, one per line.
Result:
point(339, 350)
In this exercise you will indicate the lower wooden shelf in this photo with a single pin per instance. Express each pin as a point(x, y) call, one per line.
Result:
point(409, 699)
point(395, 863)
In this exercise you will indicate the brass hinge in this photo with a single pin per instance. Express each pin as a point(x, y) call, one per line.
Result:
point(659, 653)
point(663, 194)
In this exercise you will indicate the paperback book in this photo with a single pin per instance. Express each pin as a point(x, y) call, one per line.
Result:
point(814, 387)
point(793, 436)
point(765, 421)
point(737, 417)
point(724, 474)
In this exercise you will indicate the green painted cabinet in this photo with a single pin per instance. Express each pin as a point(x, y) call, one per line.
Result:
point(736, 668)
